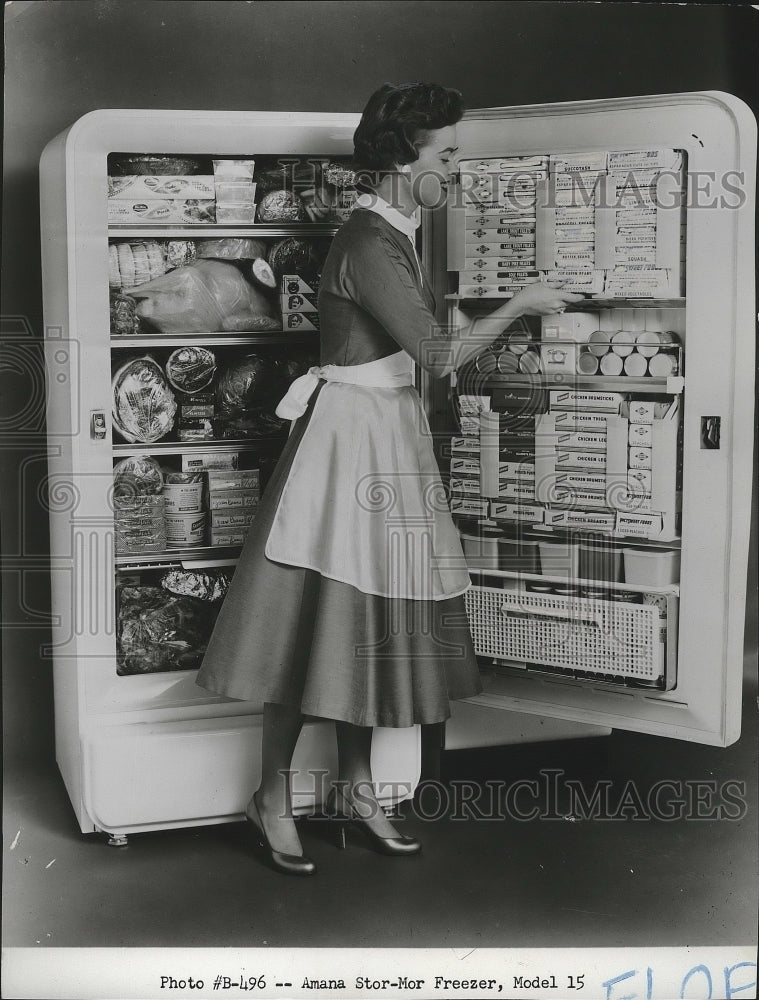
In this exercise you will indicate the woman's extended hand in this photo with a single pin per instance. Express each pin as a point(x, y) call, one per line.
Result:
point(541, 299)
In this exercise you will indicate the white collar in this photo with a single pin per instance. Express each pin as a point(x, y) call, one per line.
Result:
point(403, 223)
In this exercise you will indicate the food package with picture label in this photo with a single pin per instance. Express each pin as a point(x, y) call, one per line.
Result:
point(143, 404)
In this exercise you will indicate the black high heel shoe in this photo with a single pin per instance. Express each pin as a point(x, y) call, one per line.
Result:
point(288, 864)
point(346, 816)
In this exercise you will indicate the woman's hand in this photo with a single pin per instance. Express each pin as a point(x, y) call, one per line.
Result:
point(541, 299)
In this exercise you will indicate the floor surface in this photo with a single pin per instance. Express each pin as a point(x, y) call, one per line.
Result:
point(487, 883)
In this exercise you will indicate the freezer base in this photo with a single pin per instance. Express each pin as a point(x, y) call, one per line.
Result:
point(476, 726)
point(156, 776)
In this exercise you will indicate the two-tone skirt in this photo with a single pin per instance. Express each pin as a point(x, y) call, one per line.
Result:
point(357, 611)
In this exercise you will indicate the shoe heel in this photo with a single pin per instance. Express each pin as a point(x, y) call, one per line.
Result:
point(340, 832)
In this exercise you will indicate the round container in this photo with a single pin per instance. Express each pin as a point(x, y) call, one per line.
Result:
point(600, 562)
point(529, 363)
point(611, 364)
point(480, 547)
point(668, 338)
point(559, 559)
point(651, 567)
point(508, 363)
point(564, 591)
point(636, 365)
point(517, 555)
point(185, 529)
point(594, 594)
point(647, 343)
point(539, 588)
point(662, 366)
point(599, 342)
point(183, 498)
point(486, 362)
point(622, 343)
point(519, 342)
point(587, 364)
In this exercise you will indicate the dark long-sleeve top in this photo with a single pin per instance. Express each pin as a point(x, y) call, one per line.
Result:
point(373, 301)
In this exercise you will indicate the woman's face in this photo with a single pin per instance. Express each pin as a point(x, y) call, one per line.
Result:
point(430, 172)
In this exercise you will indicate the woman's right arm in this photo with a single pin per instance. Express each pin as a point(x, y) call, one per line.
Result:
point(378, 279)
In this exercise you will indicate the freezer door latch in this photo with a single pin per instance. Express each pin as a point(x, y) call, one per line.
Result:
point(710, 431)
point(98, 429)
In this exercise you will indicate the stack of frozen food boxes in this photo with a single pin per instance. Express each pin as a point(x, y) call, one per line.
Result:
point(499, 197)
point(605, 224)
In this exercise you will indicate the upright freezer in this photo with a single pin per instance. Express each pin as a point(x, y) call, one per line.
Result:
point(608, 589)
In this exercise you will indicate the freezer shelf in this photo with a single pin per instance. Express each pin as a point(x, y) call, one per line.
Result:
point(672, 386)
point(278, 338)
point(200, 230)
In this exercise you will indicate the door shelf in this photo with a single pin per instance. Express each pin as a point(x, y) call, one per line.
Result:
point(586, 305)
point(476, 572)
point(280, 338)
point(527, 533)
point(672, 386)
point(199, 231)
point(205, 555)
point(192, 447)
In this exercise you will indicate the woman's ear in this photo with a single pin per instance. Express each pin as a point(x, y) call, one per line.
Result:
point(404, 168)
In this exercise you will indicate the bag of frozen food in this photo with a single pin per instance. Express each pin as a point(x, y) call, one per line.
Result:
point(143, 405)
point(159, 630)
point(202, 585)
point(199, 298)
point(281, 206)
point(124, 319)
point(137, 475)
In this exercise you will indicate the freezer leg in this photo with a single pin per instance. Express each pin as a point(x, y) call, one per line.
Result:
point(117, 840)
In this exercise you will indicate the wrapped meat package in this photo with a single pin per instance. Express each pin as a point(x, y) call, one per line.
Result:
point(143, 406)
point(138, 475)
point(200, 298)
point(167, 627)
point(190, 369)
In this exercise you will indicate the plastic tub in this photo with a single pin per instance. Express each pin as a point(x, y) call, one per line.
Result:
point(480, 547)
point(600, 562)
point(559, 559)
point(517, 556)
point(651, 567)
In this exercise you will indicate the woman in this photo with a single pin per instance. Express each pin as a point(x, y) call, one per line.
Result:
point(346, 602)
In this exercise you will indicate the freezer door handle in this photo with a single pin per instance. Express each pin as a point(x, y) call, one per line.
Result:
point(710, 433)
point(569, 617)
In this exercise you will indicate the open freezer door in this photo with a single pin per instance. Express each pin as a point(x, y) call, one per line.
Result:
point(571, 441)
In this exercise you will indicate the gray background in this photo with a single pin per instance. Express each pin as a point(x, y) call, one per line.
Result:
point(67, 57)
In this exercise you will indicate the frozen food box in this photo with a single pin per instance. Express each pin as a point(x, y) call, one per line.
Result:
point(162, 212)
point(223, 499)
point(300, 321)
point(299, 302)
point(233, 170)
point(465, 486)
point(135, 187)
point(465, 467)
point(468, 444)
point(557, 517)
point(293, 284)
point(471, 403)
point(644, 159)
point(230, 479)
point(229, 537)
point(232, 518)
point(574, 399)
point(210, 460)
point(235, 213)
point(231, 192)
point(509, 489)
point(469, 506)
point(509, 511)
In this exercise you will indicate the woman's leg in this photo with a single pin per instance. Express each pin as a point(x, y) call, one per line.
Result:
point(281, 727)
point(354, 745)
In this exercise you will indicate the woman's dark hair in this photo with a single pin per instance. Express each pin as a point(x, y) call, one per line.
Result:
point(397, 121)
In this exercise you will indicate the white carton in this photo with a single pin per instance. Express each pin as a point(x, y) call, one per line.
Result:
point(193, 212)
point(639, 480)
point(638, 525)
point(641, 411)
point(468, 444)
point(644, 159)
point(509, 489)
point(469, 467)
point(467, 486)
point(575, 327)
point(136, 187)
point(232, 518)
point(558, 357)
point(524, 471)
point(578, 498)
point(573, 399)
point(469, 506)
point(579, 441)
point(576, 420)
point(639, 458)
point(579, 460)
point(641, 435)
point(568, 518)
point(470, 424)
point(581, 481)
point(210, 460)
point(526, 513)
point(221, 479)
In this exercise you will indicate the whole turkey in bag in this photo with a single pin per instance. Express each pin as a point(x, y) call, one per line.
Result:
point(203, 297)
